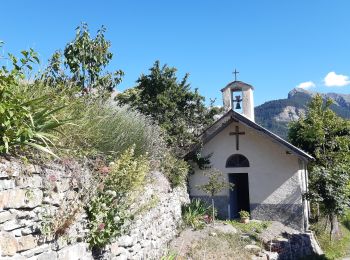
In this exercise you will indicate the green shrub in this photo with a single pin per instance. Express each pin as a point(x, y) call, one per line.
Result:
point(99, 126)
point(244, 214)
point(196, 214)
point(108, 211)
point(25, 122)
point(175, 169)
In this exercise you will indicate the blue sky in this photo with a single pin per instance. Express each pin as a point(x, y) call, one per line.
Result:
point(275, 45)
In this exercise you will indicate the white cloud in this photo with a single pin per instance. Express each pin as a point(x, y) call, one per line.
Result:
point(306, 85)
point(336, 80)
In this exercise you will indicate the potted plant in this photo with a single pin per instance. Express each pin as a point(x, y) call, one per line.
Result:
point(244, 215)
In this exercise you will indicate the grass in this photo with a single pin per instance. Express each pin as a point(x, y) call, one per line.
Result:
point(221, 246)
point(338, 248)
point(253, 228)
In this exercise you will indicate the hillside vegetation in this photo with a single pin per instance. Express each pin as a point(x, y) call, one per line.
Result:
point(67, 112)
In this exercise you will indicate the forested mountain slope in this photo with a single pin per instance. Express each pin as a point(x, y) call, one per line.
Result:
point(276, 114)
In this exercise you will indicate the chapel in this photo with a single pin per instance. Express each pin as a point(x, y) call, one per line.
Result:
point(269, 174)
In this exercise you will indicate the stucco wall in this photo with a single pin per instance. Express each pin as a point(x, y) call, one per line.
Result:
point(275, 177)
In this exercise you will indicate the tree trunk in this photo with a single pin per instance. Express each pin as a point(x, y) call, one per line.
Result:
point(335, 230)
point(212, 204)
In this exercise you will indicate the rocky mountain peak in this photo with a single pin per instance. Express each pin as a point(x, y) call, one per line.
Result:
point(296, 91)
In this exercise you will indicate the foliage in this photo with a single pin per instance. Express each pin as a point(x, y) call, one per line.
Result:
point(244, 214)
point(331, 188)
point(171, 103)
point(216, 182)
point(327, 137)
point(196, 213)
point(332, 249)
point(108, 211)
point(175, 169)
point(169, 256)
point(86, 59)
point(104, 128)
point(24, 122)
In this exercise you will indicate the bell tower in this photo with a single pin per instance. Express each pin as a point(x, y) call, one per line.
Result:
point(238, 96)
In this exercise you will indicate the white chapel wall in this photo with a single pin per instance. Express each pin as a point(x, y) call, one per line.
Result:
point(275, 177)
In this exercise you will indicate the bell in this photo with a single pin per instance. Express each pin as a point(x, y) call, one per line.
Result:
point(238, 105)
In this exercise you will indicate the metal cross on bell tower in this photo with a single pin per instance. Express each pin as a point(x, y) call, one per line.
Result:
point(235, 72)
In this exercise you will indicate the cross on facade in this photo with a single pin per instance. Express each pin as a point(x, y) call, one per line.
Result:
point(235, 72)
point(237, 133)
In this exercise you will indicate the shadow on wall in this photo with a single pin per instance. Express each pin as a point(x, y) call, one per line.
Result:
point(295, 246)
point(287, 211)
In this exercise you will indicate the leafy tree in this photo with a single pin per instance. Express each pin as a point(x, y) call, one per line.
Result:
point(171, 102)
point(216, 183)
point(86, 58)
point(327, 137)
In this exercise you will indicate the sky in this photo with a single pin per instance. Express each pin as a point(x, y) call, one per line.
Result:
point(275, 45)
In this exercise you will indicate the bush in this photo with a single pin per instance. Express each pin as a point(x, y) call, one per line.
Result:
point(99, 126)
point(104, 128)
point(175, 169)
point(108, 211)
point(196, 214)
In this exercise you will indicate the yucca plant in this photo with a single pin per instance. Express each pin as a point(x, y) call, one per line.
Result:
point(194, 214)
point(23, 121)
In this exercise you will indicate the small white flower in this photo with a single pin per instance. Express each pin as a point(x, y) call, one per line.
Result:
point(111, 192)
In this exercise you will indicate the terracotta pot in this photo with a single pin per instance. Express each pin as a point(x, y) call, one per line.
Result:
point(245, 220)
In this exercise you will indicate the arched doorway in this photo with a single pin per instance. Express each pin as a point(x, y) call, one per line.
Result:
point(239, 196)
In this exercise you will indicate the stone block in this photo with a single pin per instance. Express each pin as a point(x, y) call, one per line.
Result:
point(15, 257)
point(7, 184)
point(8, 244)
point(62, 185)
point(44, 256)
point(9, 168)
point(125, 241)
point(253, 249)
point(53, 199)
point(31, 169)
point(20, 198)
point(36, 251)
point(117, 250)
point(26, 243)
point(30, 230)
point(74, 252)
point(24, 214)
point(122, 257)
point(34, 181)
point(11, 225)
point(271, 255)
point(5, 216)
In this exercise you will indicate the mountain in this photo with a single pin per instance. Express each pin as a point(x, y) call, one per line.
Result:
point(276, 114)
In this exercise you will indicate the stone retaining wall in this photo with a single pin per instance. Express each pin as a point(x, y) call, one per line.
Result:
point(32, 195)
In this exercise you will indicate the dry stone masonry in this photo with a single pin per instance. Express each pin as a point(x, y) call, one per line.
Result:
point(31, 196)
